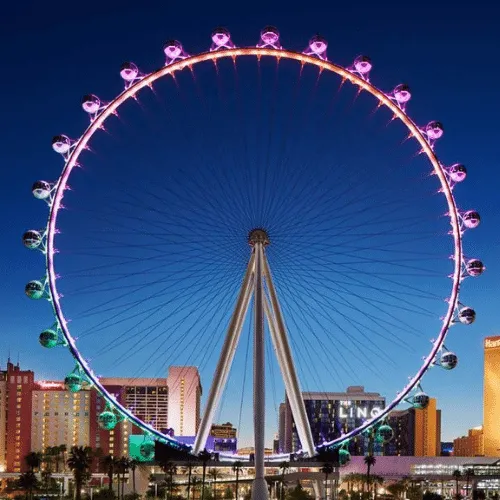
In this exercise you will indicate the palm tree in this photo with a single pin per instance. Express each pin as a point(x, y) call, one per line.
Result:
point(469, 473)
point(123, 465)
point(29, 482)
point(377, 481)
point(80, 461)
point(457, 475)
point(108, 463)
point(370, 461)
point(195, 484)
point(205, 457)
point(214, 474)
point(33, 461)
point(133, 464)
point(327, 469)
point(189, 470)
point(170, 469)
point(237, 468)
point(284, 466)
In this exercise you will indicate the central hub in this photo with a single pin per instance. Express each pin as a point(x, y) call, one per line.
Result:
point(258, 235)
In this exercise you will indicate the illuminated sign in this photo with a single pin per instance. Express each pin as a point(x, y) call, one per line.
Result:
point(44, 384)
point(358, 412)
point(490, 343)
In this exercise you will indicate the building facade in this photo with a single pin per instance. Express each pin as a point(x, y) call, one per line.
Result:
point(16, 407)
point(330, 415)
point(491, 396)
point(59, 416)
point(224, 431)
point(428, 431)
point(402, 423)
point(184, 394)
point(471, 445)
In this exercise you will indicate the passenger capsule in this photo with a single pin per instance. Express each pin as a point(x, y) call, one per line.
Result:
point(385, 433)
point(344, 457)
point(457, 172)
point(32, 239)
point(448, 360)
point(34, 290)
point(49, 338)
point(91, 104)
point(73, 382)
point(129, 71)
point(221, 37)
point(434, 130)
point(41, 190)
point(147, 450)
point(363, 64)
point(61, 144)
point(474, 267)
point(402, 93)
point(172, 49)
point(467, 315)
point(107, 420)
point(270, 35)
point(420, 400)
point(471, 219)
point(318, 45)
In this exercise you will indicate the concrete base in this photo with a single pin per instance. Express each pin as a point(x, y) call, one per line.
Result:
point(259, 489)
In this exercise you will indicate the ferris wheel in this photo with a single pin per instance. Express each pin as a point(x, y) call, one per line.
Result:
point(328, 258)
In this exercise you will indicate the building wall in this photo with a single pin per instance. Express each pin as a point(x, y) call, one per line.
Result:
point(59, 416)
point(428, 431)
point(332, 414)
point(491, 396)
point(19, 384)
point(403, 425)
point(471, 445)
point(3, 421)
point(184, 394)
point(224, 431)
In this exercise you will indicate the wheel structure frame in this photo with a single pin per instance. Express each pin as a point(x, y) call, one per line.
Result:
point(140, 82)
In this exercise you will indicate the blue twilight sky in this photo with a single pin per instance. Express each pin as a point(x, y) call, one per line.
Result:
point(53, 54)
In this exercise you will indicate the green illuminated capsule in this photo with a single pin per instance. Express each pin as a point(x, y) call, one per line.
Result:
point(147, 450)
point(34, 290)
point(107, 420)
point(73, 382)
point(344, 457)
point(49, 338)
point(385, 433)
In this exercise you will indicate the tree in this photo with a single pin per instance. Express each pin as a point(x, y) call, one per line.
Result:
point(370, 461)
point(33, 461)
point(284, 466)
point(298, 493)
point(396, 489)
point(376, 481)
point(133, 464)
point(169, 469)
point(214, 474)
point(468, 474)
point(237, 468)
point(228, 494)
point(205, 457)
point(79, 462)
point(123, 465)
point(457, 475)
point(108, 463)
point(28, 482)
point(327, 469)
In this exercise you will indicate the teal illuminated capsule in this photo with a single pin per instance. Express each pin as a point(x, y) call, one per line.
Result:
point(49, 338)
point(385, 433)
point(107, 420)
point(34, 290)
point(73, 382)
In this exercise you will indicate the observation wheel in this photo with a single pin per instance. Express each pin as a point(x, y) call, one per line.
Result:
point(186, 229)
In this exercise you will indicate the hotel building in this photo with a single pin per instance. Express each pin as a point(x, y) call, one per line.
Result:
point(471, 445)
point(491, 396)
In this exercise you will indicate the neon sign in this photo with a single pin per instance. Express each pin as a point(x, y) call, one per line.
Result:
point(358, 412)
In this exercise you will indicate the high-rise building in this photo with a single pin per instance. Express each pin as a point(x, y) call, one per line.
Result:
point(471, 445)
point(59, 416)
point(428, 431)
point(184, 394)
point(331, 414)
point(402, 423)
point(491, 396)
point(15, 404)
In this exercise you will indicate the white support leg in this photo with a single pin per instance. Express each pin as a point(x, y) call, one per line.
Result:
point(226, 357)
point(288, 370)
point(259, 485)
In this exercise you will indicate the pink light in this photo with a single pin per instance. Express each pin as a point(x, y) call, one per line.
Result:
point(46, 384)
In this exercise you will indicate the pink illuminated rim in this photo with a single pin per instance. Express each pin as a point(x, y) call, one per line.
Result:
point(148, 80)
